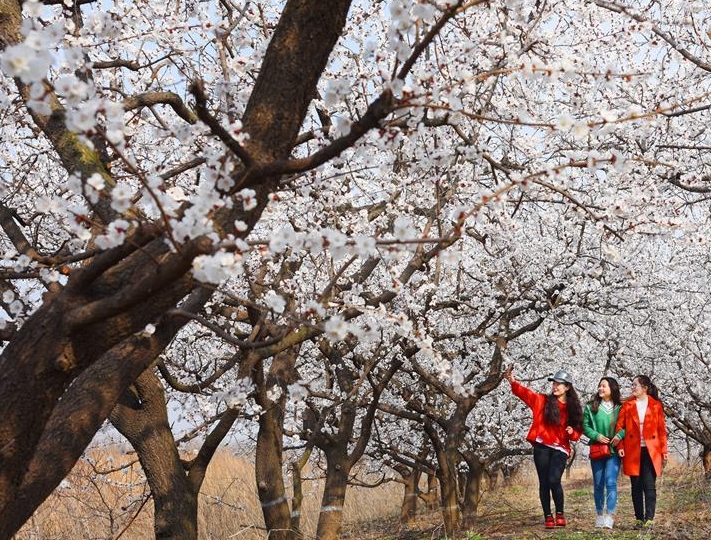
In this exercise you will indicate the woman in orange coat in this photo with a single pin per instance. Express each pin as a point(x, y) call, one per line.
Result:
point(643, 448)
point(557, 420)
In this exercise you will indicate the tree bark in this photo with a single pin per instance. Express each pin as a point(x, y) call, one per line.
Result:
point(408, 508)
point(447, 459)
point(145, 425)
point(334, 495)
point(433, 495)
point(268, 471)
point(472, 492)
point(269, 457)
point(298, 495)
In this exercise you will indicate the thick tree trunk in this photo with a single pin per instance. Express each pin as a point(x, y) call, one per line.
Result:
point(73, 423)
point(408, 509)
point(145, 424)
point(334, 496)
point(450, 504)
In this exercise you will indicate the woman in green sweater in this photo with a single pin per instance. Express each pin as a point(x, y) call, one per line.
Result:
point(599, 418)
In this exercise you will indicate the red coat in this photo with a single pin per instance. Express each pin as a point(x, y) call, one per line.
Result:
point(540, 431)
point(655, 435)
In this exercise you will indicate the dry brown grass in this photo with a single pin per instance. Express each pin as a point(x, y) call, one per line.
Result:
point(102, 506)
point(513, 512)
point(97, 507)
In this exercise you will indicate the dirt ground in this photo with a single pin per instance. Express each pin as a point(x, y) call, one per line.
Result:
point(513, 513)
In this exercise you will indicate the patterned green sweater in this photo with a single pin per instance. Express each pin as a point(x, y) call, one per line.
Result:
point(601, 423)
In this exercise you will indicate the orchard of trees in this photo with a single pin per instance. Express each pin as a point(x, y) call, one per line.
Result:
point(327, 226)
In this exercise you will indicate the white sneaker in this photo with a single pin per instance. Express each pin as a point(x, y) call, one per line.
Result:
point(600, 521)
point(609, 521)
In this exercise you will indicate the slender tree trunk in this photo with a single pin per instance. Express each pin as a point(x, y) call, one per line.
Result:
point(433, 495)
point(268, 471)
point(298, 494)
point(269, 457)
point(334, 495)
point(447, 476)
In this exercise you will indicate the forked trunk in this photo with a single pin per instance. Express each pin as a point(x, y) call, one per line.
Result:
point(141, 416)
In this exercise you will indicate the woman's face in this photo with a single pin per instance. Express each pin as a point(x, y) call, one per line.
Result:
point(638, 390)
point(559, 389)
point(603, 390)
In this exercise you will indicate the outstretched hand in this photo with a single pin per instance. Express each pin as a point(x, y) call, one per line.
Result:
point(508, 373)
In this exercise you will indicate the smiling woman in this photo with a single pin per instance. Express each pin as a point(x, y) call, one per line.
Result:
point(557, 420)
point(643, 448)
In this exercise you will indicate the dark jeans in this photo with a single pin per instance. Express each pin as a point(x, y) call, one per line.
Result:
point(550, 464)
point(644, 488)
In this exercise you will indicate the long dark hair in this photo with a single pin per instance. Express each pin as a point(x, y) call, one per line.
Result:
point(551, 413)
point(652, 390)
point(614, 391)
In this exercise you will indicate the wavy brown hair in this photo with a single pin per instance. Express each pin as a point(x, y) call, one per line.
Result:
point(551, 413)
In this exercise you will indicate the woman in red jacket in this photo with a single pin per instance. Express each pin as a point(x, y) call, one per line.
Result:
point(643, 448)
point(557, 420)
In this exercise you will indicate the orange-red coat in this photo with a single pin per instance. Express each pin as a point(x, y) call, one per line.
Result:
point(655, 435)
point(540, 431)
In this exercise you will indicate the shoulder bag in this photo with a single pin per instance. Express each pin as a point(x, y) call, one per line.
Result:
point(600, 450)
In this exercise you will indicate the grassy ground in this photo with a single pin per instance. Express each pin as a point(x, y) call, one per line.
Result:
point(513, 513)
point(112, 506)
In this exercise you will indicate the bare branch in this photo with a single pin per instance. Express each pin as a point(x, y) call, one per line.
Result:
point(617, 8)
point(149, 99)
point(196, 88)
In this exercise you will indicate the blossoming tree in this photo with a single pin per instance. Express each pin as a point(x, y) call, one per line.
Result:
point(272, 173)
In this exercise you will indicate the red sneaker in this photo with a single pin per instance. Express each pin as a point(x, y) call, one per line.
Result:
point(550, 522)
point(560, 519)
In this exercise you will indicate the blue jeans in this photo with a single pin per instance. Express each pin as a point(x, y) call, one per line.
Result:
point(605, 472)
